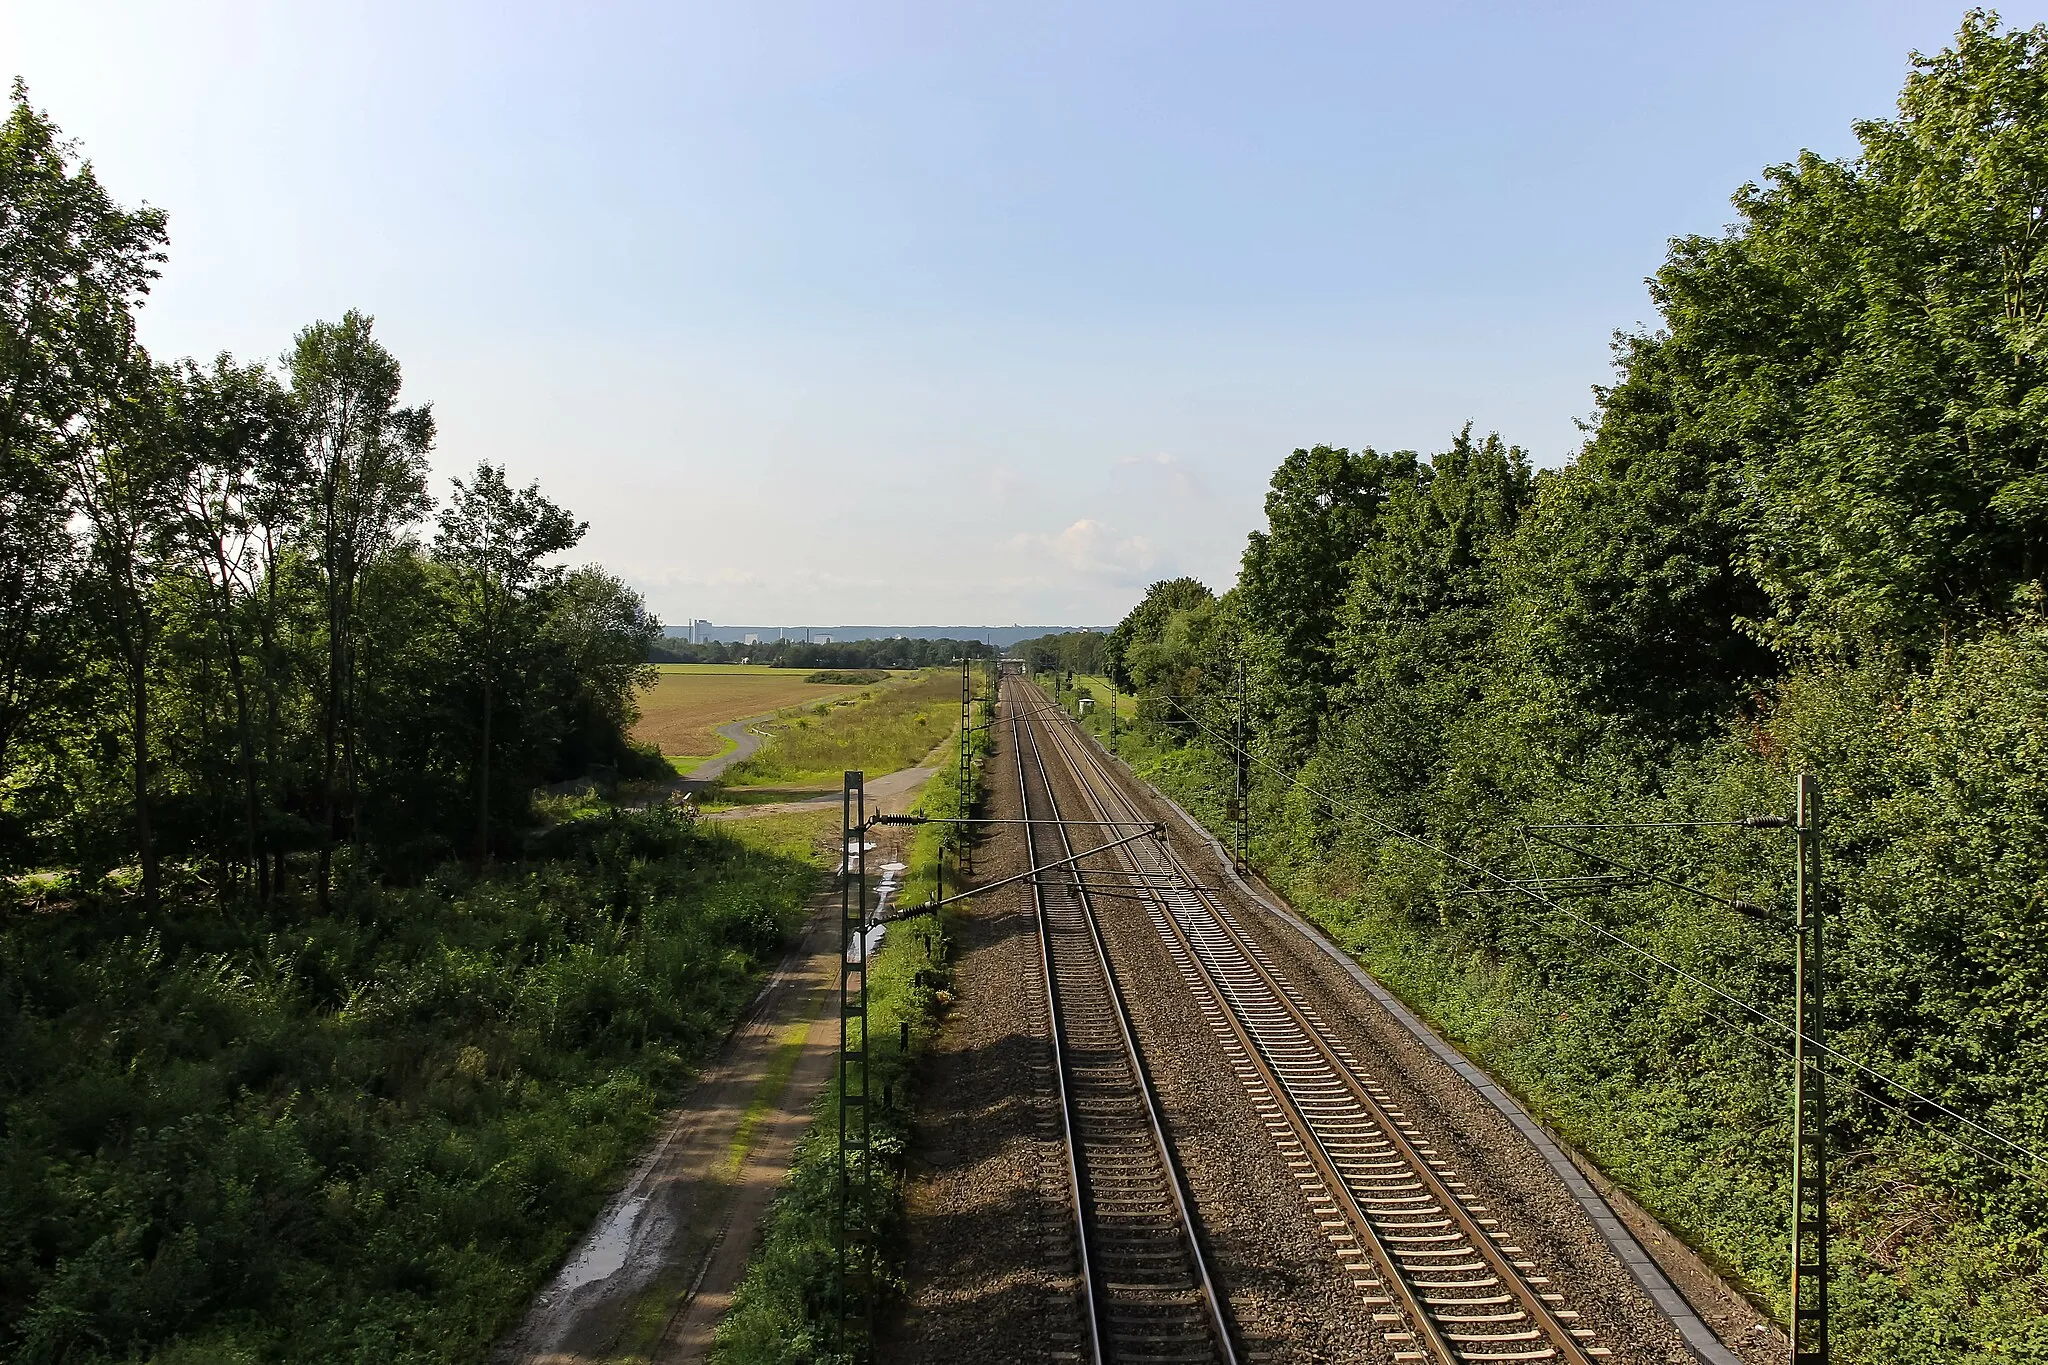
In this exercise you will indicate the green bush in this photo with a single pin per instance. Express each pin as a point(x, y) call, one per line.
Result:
point(232, 1135)
point(1936, 847)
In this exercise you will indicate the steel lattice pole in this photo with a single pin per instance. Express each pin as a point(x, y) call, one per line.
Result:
point(1809, 1098)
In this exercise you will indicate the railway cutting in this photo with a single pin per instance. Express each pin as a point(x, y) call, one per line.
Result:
point(1425, 1255)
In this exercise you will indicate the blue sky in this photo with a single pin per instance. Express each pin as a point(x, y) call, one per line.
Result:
point(966, 312)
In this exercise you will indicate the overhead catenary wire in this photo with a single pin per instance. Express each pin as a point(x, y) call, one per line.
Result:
point(1744, 1006)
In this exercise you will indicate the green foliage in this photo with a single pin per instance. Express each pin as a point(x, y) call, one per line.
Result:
point(271, 1086)
point(363, 1137)
point(494, 542)
point(1410, 633)
point(886, 731)
point(1320, 512)
point(1147, 622)
point(1073, 651)
point(220, 644)
point(1863, 349)
point(860, 677)
point(1803, 536)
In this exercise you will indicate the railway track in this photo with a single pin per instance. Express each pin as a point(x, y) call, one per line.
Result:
point(1146, 1292)
point(1438, 1277)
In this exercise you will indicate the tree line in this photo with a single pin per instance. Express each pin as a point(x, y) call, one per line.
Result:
point(896, 653)
point(1073, 651)
point(239, 646)
point(1808, 530)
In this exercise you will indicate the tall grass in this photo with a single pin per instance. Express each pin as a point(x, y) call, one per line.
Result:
point(889, 729)
point(238, 1135)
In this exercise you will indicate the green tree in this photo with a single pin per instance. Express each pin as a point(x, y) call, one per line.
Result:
point(496, 541)
point(73, 266)
point(367, 459)
point(1320, 511)
point(126, 476)
point(234, 424)
point(1143, 625)
point(605, 633)
point(1414, 634)
point(1625, 596)
point(1865, 348)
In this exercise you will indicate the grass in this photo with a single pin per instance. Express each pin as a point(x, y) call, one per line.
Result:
point(681, 712)
point(1126, 705)
point(242, 1135)
point(809, 835)
point(725, 798)
point(890, 729)
point(773, 1081)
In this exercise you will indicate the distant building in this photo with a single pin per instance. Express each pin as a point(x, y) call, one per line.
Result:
point(821, 639)
point(700, 632)
point(751, 640)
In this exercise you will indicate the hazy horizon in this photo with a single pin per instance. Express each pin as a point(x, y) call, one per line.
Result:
point(926, 312)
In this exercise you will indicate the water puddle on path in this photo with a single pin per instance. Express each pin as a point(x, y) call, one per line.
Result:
point(892, 875)
point(606, 1253)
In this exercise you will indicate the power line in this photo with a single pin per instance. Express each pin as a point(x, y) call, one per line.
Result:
point(1672, 967)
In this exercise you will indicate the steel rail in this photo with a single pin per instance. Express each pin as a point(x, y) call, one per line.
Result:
point(1059, 1068)
point(1100, 1297)
point(1455, 1329)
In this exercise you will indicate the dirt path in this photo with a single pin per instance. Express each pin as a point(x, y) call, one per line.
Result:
point(650, 1282)
point(746, 742)
point(889, 791)
point(671, 1228)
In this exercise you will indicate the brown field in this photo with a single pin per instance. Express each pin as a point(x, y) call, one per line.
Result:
point(679, 711)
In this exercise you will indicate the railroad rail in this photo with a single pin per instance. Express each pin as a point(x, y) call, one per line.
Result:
point(1441, 1280)
point(1146, 1292)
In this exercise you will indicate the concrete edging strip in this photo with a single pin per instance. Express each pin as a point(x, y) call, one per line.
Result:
point(1641, 1265)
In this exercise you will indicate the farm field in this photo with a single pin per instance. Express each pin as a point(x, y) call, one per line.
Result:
point(892, 730)
point(680, 713)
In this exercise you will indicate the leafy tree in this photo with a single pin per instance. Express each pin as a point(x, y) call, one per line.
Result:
point(1865, 347)
point(73, 265)
point(126, 474)
point(1073, 651)
point(495, 541)
point(368, 462)
point(1320, 511)
point(235, 425)
point(1414, 632)
point(605, 633)
point(1146, 623)
point(1625, 596)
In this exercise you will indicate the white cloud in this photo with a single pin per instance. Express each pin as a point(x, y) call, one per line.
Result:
point(1175, 471)
point(1089, 550)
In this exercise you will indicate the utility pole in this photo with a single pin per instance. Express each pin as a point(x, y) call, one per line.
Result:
point(1809, 1230)
point(854, 1255)
point(1240, 788)
point(966, 725)
point(1809, 1097)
